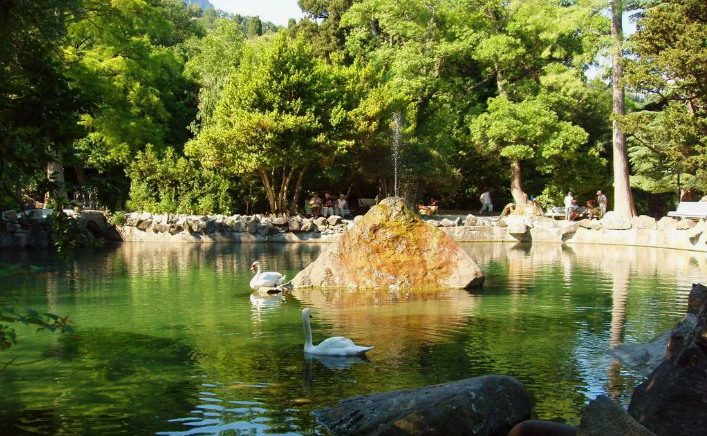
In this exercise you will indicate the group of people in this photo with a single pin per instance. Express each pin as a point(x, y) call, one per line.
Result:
point(594, 208)
point(328, 206)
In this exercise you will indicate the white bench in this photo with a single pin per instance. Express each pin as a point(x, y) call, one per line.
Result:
point(690, 209)
point(366, 202)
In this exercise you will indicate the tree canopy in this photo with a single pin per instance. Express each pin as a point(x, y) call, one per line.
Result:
point(164, 106)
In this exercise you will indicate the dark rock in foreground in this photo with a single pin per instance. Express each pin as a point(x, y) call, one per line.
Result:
point(489, 406)
point(392, 247)
point(673, 401)
point(603, 417)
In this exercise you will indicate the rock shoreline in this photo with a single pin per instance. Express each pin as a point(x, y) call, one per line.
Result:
point(146, 227)
point(611, 230)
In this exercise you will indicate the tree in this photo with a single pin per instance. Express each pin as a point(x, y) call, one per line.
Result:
point(527, 130)
point(194, 10)
point(255, 27)
point(129, 78)
point(323, 25)
point(273, 118)
point(669, 135)
point(528, 53)
point(410, 44)
point(37, 105)
point(623, 198)
point(211, 61)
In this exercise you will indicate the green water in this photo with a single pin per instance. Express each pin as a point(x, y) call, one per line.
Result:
point(171, 341)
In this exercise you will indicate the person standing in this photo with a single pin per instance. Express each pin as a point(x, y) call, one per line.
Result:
point(486, 202)
point(603, 202)
point(568, 204)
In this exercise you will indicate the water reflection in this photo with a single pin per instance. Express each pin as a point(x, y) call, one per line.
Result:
point(173, 340)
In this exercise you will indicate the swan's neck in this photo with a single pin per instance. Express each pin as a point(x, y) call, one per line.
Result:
point(307, 332)
point(257, 271)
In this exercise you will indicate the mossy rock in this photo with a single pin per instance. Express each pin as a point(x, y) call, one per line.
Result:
point(392, 247)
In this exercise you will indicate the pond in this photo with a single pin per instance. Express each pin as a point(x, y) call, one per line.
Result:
point(171, 341)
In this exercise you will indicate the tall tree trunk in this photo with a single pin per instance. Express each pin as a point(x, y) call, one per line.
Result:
point(297, 186)
point(282, 195)
point(623, 199)
point(519, 196)
point(55, 174)
point(80, 174)
point(269, 191)
point(500, 81)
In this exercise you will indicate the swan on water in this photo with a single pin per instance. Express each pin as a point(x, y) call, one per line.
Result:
point(337, 346)
point(267, 279)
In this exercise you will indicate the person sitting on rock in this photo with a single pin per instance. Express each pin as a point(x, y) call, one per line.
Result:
point(573, 213)
point(328, 205)
point(591, 211)
point(430, 209)
point(316, 204)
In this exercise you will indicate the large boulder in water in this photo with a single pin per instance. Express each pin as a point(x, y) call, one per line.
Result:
point(673, 401)
point(392, 247)
point(490, 406)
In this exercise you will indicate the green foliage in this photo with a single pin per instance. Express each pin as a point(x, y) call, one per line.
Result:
point(43, 321)
point(527, 130)
point(37, 106)
point(117, 219)
point(211, 61)
point(121, 60)
point(273, 118)
point(174, 184)
point(669, 134)
point(255, 27)
point(66, 233)
point(478, 84)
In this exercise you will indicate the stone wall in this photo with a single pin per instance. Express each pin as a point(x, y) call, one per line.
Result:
point(145, 227)
point(640, 231)
point(33, 229)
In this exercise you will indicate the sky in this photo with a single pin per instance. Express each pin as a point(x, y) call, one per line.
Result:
point(276, 11)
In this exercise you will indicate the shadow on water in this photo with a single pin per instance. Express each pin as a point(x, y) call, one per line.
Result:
point(171, 339)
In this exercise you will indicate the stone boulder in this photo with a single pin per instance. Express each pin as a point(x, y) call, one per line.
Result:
point(392, 247)
point(472, 221)
point(644, 222)
point(585, 223)
point(603, 417)
point(280, 221)
point(613, 221)
point(490, 406)
point(596, 225)
point(250, 224)
point(673, 401)
point(307, 225)
point(447, 223)
point(685, 224)
point(517, 225)
point(294, 224)
point(144, 225)
point(334, 220)
point(667, 223)
point(644, 358)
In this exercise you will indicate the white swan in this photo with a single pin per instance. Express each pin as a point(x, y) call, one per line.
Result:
point(337, 346)
point(265, 279)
